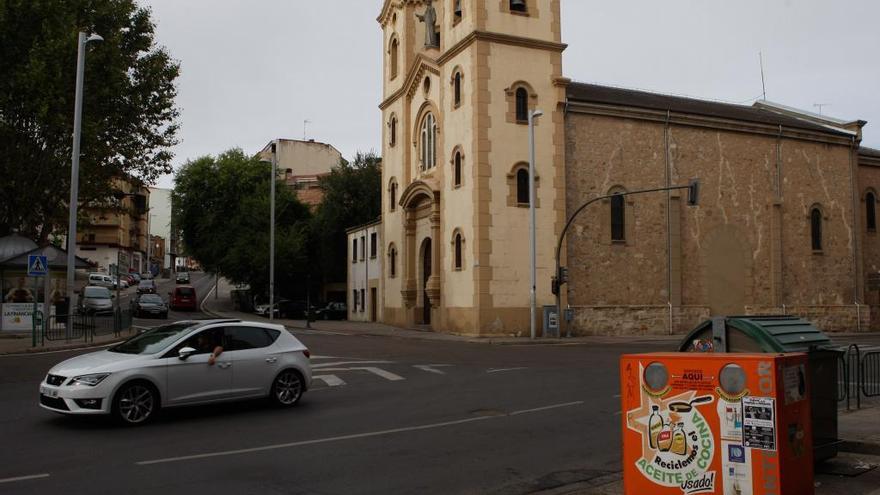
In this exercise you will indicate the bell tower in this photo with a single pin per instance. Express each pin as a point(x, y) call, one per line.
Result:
point(459, 78)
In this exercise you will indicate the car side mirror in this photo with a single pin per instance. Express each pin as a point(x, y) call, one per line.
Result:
point(185, 352)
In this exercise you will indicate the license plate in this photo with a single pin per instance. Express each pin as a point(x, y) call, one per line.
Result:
point(49, 392)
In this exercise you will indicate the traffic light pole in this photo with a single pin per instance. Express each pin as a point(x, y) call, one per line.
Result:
point(558, 281)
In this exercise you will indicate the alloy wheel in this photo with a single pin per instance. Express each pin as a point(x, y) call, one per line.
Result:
point(136, 404)
point(288, 388)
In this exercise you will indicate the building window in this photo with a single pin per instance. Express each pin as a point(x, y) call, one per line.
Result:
point(373, 240)
point(428, 142)
point(522, 105)
point(816, 228)
point(363, 247)
point(392, 195)
point(363, 300)
point(354, 299)
point(458, 263)
point(518, 6)
point(456, 170)
point(393, 131)
point(870, 211)
point(354, 250)
point(456, 89)
point(522, 186)
point(618, 218)
point(394, 50)
point(392, 261)
point(456, 10)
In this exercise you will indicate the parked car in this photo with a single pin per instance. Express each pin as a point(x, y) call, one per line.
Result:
point(146, 276)
point(136, 277)
point(332, 311)
point(149, 305)
point(101, 280)
point(182, 278)
point(184, 297)
point(146, 287)
point(95, 300)
point(166, 367)
point(130, 279)
point(120, 281)
point(292, 310)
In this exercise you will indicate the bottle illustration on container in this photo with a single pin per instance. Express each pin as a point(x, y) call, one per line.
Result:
point(655, 424)
point(679, 440)
point(664, 439)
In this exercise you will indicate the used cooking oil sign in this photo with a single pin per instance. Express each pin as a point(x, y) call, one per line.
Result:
point(677, 442)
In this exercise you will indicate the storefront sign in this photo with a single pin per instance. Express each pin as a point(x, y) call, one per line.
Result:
point(17, 316)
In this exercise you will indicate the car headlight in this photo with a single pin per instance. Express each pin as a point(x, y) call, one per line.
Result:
point(89, 380)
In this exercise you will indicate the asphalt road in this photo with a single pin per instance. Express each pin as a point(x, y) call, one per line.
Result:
point(385, 416)
point(388, 416)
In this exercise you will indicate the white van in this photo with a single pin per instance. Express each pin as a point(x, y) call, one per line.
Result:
point(101, 280)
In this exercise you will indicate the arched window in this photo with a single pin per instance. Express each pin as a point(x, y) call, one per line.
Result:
point(457, 258)
point(618, 218)
point(816, 228)
point(870, 211)
point(392, 195)
point(522, 186)
point(393, 130)
point(518, 6)
point(394, 44)
point(392, 261)
point(456, 170)
point(429, 145)
point(522, 104)
point(456, 89)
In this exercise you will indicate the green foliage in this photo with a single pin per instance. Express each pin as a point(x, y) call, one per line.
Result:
point(222, 203)
point(352, 197)
point(129, 116)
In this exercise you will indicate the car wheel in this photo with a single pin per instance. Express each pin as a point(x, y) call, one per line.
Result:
point(135, 403)
point(287, 388)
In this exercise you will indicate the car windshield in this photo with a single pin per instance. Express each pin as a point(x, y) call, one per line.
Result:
point(96, 293)
point(146, 283)
point(154, 340)
point(151, 298)
point(185, 292)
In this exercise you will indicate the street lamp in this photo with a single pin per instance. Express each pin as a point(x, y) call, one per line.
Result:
point(533, 114)
point(272, 231)
point(74, 171)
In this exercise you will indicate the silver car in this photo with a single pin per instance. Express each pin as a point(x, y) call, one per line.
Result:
point(96, 300)
point(171, 365)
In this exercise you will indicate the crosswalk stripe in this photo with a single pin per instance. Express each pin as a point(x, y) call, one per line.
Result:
point(380, 372)
point(339, 363)
point(432, 368)
point(330, 380)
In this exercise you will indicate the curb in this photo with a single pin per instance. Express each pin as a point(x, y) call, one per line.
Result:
point(76, 346)
point(856, 447)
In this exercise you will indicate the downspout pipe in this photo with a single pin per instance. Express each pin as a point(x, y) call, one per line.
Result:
point(856, 227)
point(668, 221)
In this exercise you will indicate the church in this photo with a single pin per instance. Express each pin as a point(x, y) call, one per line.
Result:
point(786, 220)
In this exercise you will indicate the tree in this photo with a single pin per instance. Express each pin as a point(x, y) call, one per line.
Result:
point(352, 196)
point(221, 205)
point(129, 116)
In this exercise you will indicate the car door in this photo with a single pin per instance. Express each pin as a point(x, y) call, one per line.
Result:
point(193, 380)
point(256, 364)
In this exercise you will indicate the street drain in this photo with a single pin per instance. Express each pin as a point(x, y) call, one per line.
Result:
point(488, 412)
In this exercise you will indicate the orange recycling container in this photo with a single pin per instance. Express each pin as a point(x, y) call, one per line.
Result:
point(727, 424)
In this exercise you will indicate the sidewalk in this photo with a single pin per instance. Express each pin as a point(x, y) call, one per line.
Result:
point(221, 307)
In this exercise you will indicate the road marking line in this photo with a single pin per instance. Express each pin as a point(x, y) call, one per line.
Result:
point(431, 368)
point(380, 372)
point(338, 363)
point(326, 357)
point(428, 426)
point(330, 380)
point(25, 478)
point(547, 408)
point(498, 370)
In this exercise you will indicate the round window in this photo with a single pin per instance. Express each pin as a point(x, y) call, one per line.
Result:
point(732, 379)
point(656, 377)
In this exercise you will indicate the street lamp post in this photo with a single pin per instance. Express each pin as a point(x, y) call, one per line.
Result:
point(272, 231)
point(559, 280)
point(74, 172)
point(533, 114)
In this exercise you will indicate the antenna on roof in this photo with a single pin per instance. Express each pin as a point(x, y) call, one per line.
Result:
point(763, 87)
point(305, 122)
point(820, 105)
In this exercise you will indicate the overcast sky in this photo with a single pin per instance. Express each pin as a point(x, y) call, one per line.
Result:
point(254, 70)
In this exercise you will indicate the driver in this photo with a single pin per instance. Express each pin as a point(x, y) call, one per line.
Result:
point(207, 342)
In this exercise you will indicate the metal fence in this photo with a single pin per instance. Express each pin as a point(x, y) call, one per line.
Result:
point(859, 375)
point(870, 374)
point(85, 327)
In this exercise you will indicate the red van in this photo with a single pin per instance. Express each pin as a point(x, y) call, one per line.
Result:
point(184, 297)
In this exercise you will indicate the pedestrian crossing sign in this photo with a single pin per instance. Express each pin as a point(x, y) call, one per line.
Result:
point(37, 266)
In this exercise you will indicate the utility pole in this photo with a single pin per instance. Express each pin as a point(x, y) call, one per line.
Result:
point(533, 114)
point(272, 231)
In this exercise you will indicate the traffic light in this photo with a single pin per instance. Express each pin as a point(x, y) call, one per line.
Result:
point(563, 275)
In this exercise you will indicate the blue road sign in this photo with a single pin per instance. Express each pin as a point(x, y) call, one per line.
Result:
point(37, 266)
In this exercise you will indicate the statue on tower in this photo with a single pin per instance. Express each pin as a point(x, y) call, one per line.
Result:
point(430, 20)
